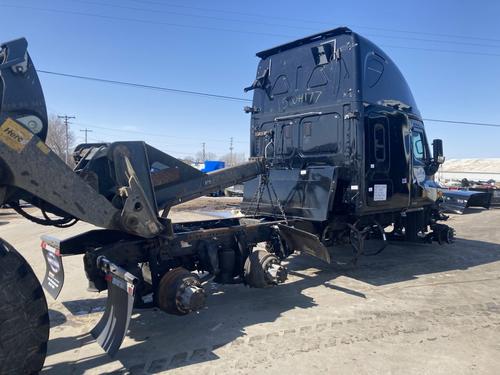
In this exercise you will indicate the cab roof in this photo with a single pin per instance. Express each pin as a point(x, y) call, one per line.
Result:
point(323, 35)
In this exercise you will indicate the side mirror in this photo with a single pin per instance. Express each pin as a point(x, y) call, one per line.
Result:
point(437, 151)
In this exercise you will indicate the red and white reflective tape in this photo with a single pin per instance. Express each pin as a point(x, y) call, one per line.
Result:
point(50, 248)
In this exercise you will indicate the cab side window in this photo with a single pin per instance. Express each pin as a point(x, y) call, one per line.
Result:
point(417, 139)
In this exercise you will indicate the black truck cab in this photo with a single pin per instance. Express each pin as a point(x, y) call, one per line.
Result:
point(338, 122)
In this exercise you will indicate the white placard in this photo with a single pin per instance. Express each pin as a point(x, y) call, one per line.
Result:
point(379, 192)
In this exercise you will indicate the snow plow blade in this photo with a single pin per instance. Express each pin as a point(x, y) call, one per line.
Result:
point(113, 326)
point(458, 200)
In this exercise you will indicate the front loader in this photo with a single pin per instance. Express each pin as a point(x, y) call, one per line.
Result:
point(127, 189)
point(329, 166)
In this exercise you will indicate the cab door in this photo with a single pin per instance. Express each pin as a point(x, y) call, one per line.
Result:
point(419, 157)
point(387, 161)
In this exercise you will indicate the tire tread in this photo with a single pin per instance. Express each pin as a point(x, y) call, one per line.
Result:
point(24, 319)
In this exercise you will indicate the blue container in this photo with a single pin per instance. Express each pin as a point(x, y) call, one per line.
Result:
point(213, 165)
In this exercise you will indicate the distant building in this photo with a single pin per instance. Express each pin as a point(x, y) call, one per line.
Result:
point(471, 169)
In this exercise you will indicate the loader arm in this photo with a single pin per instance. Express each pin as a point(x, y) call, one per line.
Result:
point(119, 186)
point(29, 170)
point(35, 171)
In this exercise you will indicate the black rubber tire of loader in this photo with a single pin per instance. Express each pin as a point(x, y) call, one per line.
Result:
point(24, 318)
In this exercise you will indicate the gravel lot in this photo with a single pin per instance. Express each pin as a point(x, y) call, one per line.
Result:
point(412, 309)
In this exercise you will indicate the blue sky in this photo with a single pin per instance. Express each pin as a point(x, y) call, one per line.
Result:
point(211, 46)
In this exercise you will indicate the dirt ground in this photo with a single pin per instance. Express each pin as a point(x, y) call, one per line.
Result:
point(414, 309)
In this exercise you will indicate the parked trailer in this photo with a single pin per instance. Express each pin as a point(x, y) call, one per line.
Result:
point(338, 154)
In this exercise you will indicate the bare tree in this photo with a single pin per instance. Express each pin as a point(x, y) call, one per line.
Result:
point(56, 137)
point(237, 158)
point(208, 156)
point(188, 160)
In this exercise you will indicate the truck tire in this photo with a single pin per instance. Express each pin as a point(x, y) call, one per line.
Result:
point(24, 318)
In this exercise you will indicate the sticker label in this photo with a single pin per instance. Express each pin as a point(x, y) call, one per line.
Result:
point(379, 192)
point(14, 135)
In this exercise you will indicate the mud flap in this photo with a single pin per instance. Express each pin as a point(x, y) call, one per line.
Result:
point(54, 270)
point(113, 326)
point(304, 242)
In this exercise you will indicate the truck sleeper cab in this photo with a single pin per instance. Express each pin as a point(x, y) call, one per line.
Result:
point(336, 119)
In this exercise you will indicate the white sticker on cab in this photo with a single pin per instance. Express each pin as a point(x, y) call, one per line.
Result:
point(379, 192)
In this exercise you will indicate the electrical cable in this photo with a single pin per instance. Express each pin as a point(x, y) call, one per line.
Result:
point(63, 222)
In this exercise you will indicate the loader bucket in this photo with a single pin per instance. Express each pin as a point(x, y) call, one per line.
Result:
point(21, 95)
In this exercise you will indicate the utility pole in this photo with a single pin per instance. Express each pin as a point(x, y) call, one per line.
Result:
point(203, 152)
point(231, 151)
point(86, 131)
point(66, 123)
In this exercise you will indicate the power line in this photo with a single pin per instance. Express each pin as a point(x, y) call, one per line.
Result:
point(460, 43)
point(314, 22)
point(206, 94)
point(200, 93)
point(150, 22)
point(253, 22)
point(240, 31)
point(463, 122)
point(150, 134)
point(119, 132)
point(440, 50)
point(169, 151)
point(86, 131)
point(144, 86)
point(156, 11)
point(224, 97)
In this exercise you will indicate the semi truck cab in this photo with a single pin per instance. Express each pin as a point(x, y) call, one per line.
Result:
point(339, 124)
